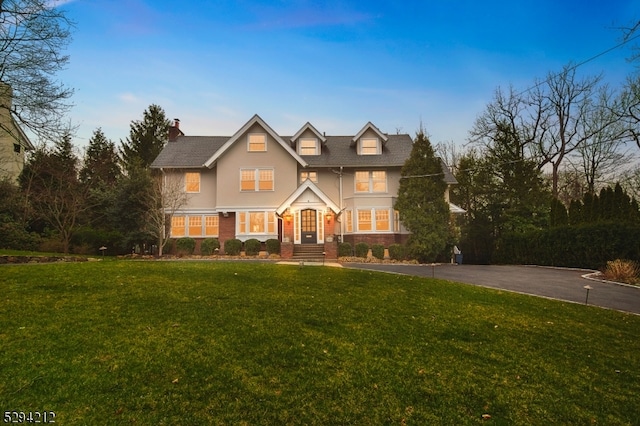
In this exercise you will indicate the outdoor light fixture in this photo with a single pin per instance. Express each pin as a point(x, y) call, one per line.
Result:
point(328, 215)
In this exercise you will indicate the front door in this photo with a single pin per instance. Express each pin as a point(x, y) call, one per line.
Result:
point(308, 230)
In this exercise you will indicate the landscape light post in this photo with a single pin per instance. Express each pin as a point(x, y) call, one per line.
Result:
point(588, 287)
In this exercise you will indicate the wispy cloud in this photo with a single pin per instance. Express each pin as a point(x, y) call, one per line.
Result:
point(306, 15)
point(128, 98)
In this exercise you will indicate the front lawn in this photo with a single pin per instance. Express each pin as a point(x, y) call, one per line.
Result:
point(124, 342)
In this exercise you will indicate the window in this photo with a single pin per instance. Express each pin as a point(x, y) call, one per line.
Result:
point(364, 220)
point(312, 176)
point(257, 142)
point(308, 146)
point(192, 182)
point(373, 220)
point(371, 181)
point(195, 226)
point(379, 181)
point(211, 224)
point(256, 180)
point(382, 220)
point(177, 226)
point(256, 223)
point(349, 220)
point(265, 181)
point(362, 181)
point(369, 146)
point(396, 221)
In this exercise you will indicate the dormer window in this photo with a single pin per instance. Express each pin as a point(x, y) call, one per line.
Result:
point(369, 146)
point(308, 146)
point(257, 142)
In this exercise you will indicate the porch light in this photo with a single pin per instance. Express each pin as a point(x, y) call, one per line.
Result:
point(287, 218)
point(328, 216)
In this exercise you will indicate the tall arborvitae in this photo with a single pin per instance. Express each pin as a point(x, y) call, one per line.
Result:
point(421, 204)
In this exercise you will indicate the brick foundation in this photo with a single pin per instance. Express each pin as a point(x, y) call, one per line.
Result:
point(371, 239)
point(331, 250)
point(286, 250)
point(227, 229)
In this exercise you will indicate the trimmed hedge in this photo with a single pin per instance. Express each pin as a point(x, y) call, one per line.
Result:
point(252, 247)
point(209, 246)
point(362, 249)
point(396, 252)
point(345, 250)
point(585, 246)
point(185, 245)
point(273, 246)
point(377, 250)
point(232, 247)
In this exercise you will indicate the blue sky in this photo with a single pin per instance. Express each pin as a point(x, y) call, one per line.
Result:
point(337, 64)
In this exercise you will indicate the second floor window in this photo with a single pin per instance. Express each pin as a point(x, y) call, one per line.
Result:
point(192, 181)
point(308, 146)
point(257, 142)
point(369, 146)
point(256, 180)
point(311, 175)
point(371, 181)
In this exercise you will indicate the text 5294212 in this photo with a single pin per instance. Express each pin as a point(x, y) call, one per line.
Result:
point(29, 417)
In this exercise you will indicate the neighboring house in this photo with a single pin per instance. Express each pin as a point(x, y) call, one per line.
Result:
point(13, 141)
point(305, 189)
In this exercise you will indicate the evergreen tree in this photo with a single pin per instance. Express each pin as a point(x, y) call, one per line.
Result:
point(421, 204)
point(100, 173)
point(146, 139)
point(100, 167)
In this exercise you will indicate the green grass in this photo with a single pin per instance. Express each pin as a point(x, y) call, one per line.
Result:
point(255, 343)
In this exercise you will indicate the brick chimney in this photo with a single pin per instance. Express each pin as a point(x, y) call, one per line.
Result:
point(174, 131)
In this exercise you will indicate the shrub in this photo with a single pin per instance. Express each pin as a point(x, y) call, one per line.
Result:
point(377, 250)
point(273, 246)
point(396, 252)
point(252, 247)
point(232, 247)
point(362, 249)
point(625, 271)
point(345, 250)
point(209, 246)
point(185, 245)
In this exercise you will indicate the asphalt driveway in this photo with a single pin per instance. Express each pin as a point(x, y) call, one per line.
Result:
point(562, 284)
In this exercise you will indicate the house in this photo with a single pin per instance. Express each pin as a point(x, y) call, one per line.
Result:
point(305, 189)
point(13, 141)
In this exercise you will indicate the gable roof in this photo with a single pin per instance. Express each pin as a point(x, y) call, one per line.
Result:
point(366, 127)
point(307, 184)
point(254, 120)
point(308, 126)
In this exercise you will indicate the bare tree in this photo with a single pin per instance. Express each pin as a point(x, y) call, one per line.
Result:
point(600, 158)
point(33, 34)
point(166, 197)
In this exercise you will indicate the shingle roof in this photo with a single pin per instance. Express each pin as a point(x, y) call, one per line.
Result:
point(189, 151)
point(338, 151)
point(193, 151)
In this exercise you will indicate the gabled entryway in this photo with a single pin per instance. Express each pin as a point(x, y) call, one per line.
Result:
point(304, 215)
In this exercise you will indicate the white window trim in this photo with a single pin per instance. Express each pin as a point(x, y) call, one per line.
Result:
point(186, 183)
point(308, 172)
point(361, 150)
point(371, 191)
point(262, 236)
point(372, 211)
point(266, 139)
point(256, 179)
point(315, 142)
